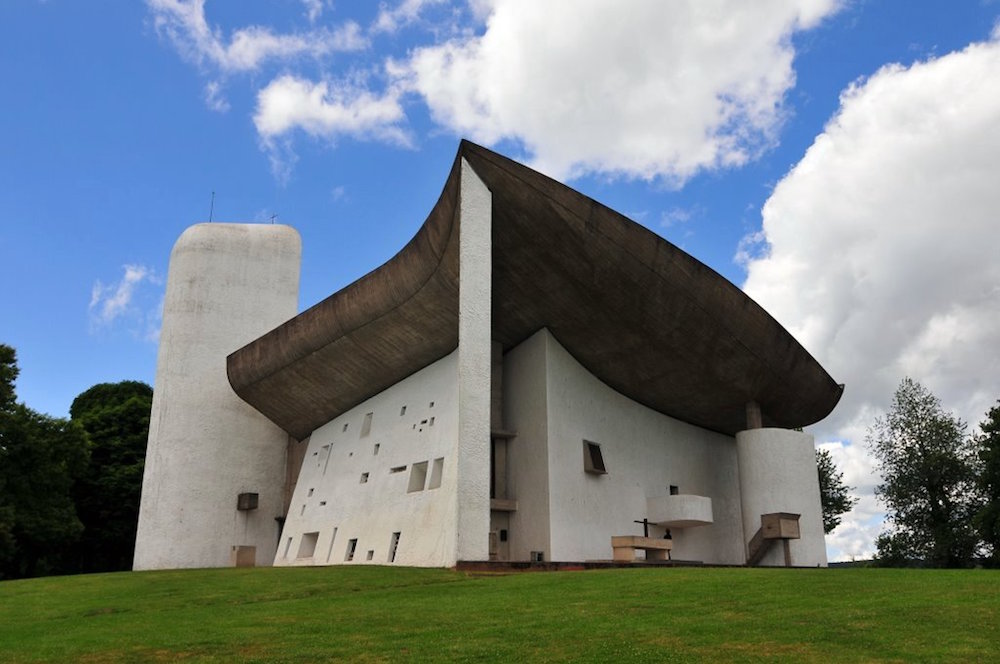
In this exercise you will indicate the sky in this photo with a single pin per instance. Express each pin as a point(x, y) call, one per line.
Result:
point(839, 160)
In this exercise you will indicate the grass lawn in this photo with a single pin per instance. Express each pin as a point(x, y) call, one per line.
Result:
point(369, 614)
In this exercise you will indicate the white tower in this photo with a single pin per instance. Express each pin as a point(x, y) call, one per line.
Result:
point(227, 285)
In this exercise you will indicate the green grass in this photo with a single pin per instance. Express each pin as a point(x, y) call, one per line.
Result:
point(370, 614)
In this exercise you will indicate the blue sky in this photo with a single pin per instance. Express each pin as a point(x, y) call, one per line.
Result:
point(836, 159)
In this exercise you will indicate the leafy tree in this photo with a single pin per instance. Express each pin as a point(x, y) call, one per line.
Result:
point(988, 519)
point(116, 419)
point(41, 458)
point(834, 494)
point(928, 481)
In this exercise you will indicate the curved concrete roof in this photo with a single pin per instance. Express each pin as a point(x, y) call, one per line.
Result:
point(640, 314)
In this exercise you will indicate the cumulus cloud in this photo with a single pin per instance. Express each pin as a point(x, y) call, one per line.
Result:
point(183, 22)
point(127, 301)
point(324, 109)
point(648, 90)
point(878, 249)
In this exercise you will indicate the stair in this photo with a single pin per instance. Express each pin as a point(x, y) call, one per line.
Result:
point(775, 526)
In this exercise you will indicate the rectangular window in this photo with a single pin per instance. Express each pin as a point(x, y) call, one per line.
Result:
point(674, 490)
point(593, 460)
point(397, 469)
point(436, 471)
point(393, 545)
point(307, 545)
point(366, 427)
point(288, 545)
point(364, 478)
point(371, 554)
point(418, 477)
point(402, 411)
point(352, 544)
point(375, 450)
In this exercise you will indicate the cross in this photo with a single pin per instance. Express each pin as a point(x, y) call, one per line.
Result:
point(273, 217)
point(645, 527)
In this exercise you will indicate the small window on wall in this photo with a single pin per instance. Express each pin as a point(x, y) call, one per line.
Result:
point(366, 426)
point(436, 471)
point(393, 545)
point(352, 544)
point(418, 477)
point(593, 460)
point(307, 545)
point(674, 490)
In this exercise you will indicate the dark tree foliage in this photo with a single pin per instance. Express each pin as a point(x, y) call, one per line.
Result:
point(116, 419)
point(988, 518)
point(834, 495)
point(41, 458)
point(928, 481)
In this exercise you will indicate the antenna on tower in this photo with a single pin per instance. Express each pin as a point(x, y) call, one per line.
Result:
point(211, 208)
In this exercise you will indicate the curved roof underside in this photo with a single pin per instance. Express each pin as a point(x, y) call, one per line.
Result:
point(640, 314)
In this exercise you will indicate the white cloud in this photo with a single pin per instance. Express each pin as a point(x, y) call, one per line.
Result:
point(405, 13)
point(184, 23)
point(880, 244)
point(314, 9)
point(647, 89)
point(214, 98)
point(127, 301)
point(327, 110)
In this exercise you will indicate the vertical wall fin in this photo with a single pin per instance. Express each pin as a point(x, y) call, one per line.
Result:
point(474, 366)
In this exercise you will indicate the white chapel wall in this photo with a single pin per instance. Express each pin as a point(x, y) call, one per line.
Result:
point(366, 477)
point(645, 452)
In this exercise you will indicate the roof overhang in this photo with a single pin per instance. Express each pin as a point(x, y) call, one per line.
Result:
point(640, 314)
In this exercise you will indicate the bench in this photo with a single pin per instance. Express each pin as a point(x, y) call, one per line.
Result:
point(625, 546)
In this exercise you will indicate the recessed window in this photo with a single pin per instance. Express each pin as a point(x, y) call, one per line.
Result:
point(311, 491)
point(307, 545)
point(397, 469)
point(322, 503)
point(593, 460)
point(375, 449)
point(674, 490)
point(345, 426)
point(393, 545)
point(436, 471)
point(418, 477)
point(432, 405)
point(432, 421)
point(371, 554)
point(364, 478)
point(333, 538)
point(288, 545)
point(366, 426)
point(402, 411)
point(352, 544)
point(303, 510)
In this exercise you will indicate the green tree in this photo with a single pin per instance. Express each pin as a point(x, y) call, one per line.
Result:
point(988, 518)
point(116, 419)
point(928, 481)
point(834, 495)
point(41, 458)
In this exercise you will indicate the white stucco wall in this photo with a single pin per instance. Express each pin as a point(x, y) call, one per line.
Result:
point(227, 284)
point(525, 412)
point(778, 474)
point(330, 493)
point(644, 451)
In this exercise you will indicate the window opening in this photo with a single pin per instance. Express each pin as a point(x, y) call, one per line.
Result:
point(288, 545)
point(436, 471)
point(371, 554)
point(674, 490)
point(393, 544)
point(364, 478)
point(333, 538)
point(418, 477)
point(352, 544)
point(366, 426)
point(402, 411)
point(375, 449)
point(345, 426)
point(307, 545)
point(593, 460)
point(397, 469)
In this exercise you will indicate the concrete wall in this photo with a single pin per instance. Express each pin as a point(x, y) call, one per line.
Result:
point(355, 480)
point(778, 474)
point(555, 404)
point(227, 284)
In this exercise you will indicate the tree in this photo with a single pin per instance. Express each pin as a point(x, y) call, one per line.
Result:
point(928, 481)
point(116, 419)
point(41, 458)
point(833, 493)
point(987, 520)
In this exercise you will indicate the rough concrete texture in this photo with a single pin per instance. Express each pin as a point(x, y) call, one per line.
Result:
point(227, 284)
point(778, 474)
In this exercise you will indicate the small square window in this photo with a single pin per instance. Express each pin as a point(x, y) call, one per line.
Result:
point(364, 478)
point(593, 460)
